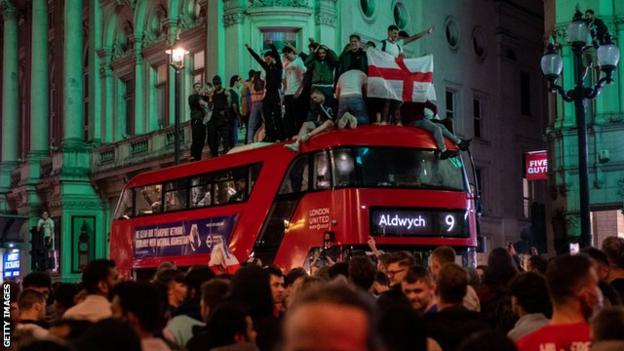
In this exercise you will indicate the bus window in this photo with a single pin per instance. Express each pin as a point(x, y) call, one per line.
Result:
point(176, 195)
point(296, 180)
point(407, 168)
point(321, 171)
point(148, 199)
point(201, 191)
point(124, 208)
point(344, 168)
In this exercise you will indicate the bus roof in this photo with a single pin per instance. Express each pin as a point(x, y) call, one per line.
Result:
point(370, 135)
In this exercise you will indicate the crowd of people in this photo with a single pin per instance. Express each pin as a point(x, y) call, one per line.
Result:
point(298, 95)
point(376, 301)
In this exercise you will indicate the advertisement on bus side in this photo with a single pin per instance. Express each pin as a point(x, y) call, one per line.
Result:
point(184, 238)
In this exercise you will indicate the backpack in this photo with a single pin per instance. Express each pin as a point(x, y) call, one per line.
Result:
point(383, 46)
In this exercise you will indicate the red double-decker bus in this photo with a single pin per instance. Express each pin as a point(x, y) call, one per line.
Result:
point(266, 202)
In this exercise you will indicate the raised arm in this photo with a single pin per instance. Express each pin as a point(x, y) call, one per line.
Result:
point(276, 54)
point(256, 57)
point(417, 36)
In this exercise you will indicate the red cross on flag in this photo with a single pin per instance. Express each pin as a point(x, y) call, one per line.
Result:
point(398, 78)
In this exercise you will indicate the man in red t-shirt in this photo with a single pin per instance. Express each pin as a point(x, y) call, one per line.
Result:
point(573, 288)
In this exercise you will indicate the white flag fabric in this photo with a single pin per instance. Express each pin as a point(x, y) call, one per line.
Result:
point(398, 78)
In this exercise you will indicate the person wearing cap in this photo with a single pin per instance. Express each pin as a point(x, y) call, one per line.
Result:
point(219, 125)
point(272, 103)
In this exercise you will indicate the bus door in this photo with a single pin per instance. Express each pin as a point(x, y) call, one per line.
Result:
point(292, 189)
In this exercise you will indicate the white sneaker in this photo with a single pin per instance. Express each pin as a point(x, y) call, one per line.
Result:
point(353, 121)
point(342, 122)
point(292, 147)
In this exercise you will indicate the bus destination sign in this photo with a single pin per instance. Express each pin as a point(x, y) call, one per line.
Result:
point(414, 222)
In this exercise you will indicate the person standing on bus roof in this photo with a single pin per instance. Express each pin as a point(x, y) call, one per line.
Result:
point(221, 110)
point(320, 118)
point(272, 104)
point(198, 129)
point(293, 87)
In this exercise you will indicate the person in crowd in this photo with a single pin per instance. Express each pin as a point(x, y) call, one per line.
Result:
point(573, 288)
point(320, 118)
point(381, 283)
point(290, 278)
point(601, 264)
point(172, 281)
point(257, 93)
point(419, 288)
point(276, 280)
point(110, 334)
point(235, 108)
point(442, 255)
point(398, 266)
point(139, 305)
point(231, 329)
point(98, 277)
point(361, 272)
point(607, 330)
point(245, 100)
point(32, 308)
point(271, 104)
point(348, 320)
point(351, 105)
point(43, 345)
point(251, 289)
point(293, 87)
point(613, 246)
point(403, 329)
point(537, 264)
point(179, 329)
point(213, 293)
point(352, 57)
point(453, 322)
point(198, 129)
point(41, 282)
point(530, 302)
point(487, 340)
point(322, 64)
point(474, 280)
point(64, 295)
point(493, 297)
point(219, 133)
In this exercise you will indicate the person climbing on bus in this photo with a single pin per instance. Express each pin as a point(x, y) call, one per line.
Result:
point(320, 118)
point(431, 122)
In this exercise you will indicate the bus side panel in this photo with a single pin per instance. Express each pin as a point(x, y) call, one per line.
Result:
point(311, 220)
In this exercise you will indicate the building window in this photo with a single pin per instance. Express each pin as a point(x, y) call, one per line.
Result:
point(129, 101)
point(477, 117)
point(161, 95)
point(368, 7)
point(526, 199)
point(279, 37)
point(198, 67)
point(401, 17)
point(451, 103)
point(451, 32)
point(525, 93)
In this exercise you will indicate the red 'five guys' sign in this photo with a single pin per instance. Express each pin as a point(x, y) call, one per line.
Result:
point(536, 165)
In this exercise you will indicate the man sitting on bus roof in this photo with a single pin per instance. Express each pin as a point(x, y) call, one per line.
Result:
point(320, 118)
point(430, 122)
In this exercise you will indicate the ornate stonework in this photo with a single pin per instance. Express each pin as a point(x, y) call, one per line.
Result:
point(231, 19)
point(7, 8)
point(326, 19)
point(283, 3)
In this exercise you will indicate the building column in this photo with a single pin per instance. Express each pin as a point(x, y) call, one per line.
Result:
point(106, 75)
point(72, 74)
point(95, 84)
point(139, 89)
point(325, 19)
point(10, 110)
point(233, 21)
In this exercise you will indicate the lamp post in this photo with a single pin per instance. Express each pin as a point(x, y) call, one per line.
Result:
point(552, 64)
point(176, 60)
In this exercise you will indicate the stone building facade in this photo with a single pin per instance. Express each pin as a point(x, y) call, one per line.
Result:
point(88, 97)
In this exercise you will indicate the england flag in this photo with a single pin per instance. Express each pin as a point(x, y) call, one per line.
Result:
point(398, 78)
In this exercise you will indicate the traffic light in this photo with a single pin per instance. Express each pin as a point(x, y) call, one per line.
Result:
point(37, 251)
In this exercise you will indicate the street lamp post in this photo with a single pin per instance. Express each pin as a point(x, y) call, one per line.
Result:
point(552, 64)
point(176, 60)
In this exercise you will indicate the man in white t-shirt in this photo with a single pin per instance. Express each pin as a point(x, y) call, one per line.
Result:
point(393, 46)
point(351, 105)
point(294, 69)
